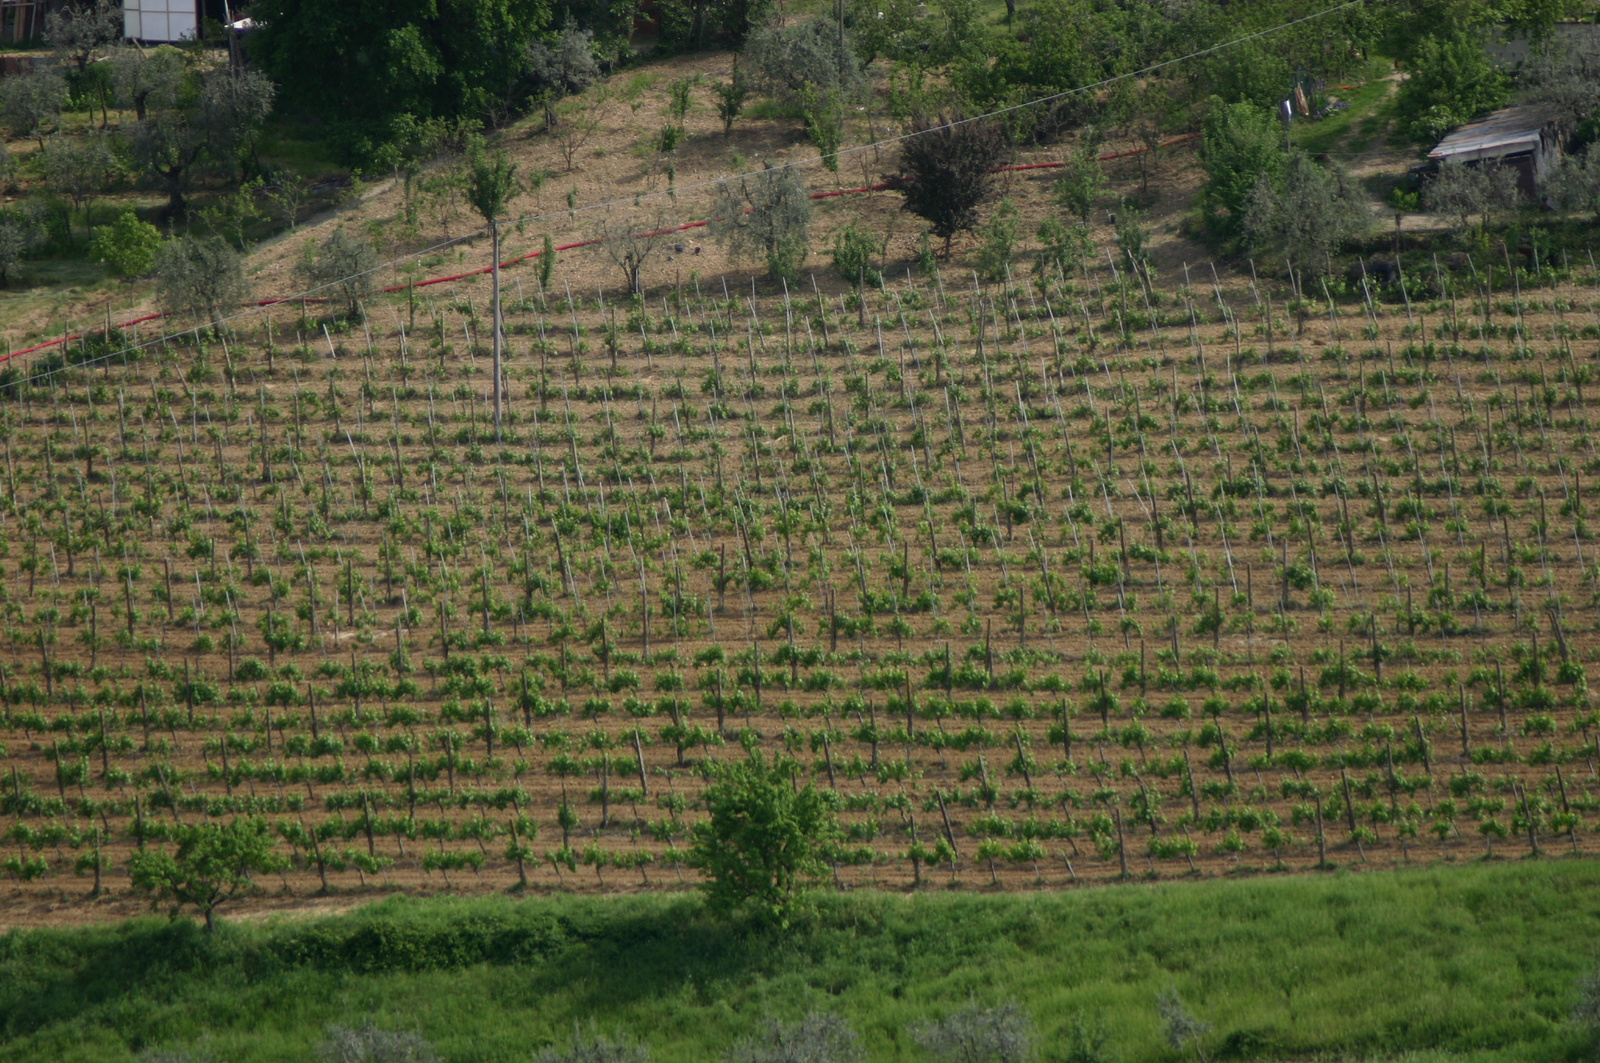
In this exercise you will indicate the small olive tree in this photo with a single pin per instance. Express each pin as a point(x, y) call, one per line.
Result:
point(344, 265)
point(976, 1034)
point(817, 1038)
point(629, 245)
point(766, 216)
point(592, 1046)
point(369, 1044)
point(201, 274)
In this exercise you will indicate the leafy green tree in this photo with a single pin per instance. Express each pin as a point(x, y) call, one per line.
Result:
point(491, 182)
point(211, 864)
point(1000, 235)
point(766, 216)
point(854, 248)
point(764, 840)
point(1452, 81)
point(1240, 144)
point(127, 246)
point(1081, 184)
point(361, 67)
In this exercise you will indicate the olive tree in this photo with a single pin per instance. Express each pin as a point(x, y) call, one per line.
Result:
point(148, 80)
point(947, 173)
point(342, 264)
point(31, 103)
point(817, 1038)
point(976, 1034)
point(786, 62)
point(22, 231)
point(766, 216)
point(370, 1044)
point(1308, 215)
point(594, 1047)
point(201, 274)
point(628, 245)
point(764, 839)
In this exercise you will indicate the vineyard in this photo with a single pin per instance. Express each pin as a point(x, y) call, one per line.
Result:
point(1055, 580)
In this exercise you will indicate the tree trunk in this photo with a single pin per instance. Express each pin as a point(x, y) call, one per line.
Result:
point(494, 239)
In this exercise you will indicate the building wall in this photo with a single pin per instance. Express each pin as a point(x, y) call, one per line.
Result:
point(160, 20)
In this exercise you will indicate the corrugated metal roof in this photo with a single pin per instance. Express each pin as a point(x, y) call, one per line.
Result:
point(1504, 132)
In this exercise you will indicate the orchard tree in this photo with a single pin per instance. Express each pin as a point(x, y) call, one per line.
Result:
point(766, 216)
point(1240, 144)
point(764, 840)
point(947, 173)
point(127, 246)
point(211, 864)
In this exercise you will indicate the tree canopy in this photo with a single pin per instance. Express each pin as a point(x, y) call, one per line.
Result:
point(211, 864)
point(765, 838)
point(360, 66)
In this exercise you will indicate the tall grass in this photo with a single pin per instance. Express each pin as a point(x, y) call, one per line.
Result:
point(1476, 962)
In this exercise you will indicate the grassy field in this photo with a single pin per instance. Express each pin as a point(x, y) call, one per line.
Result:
point(1478, 962)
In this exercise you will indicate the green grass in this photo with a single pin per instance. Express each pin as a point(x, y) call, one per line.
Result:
point(1366, 116)
point(1473, 962)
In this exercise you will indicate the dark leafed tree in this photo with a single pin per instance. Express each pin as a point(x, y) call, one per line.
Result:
point(946, 173)
point(766, 216)
point(491, 182)
point(200, 274)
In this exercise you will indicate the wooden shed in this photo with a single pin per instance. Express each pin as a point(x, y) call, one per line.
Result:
point(1525, 138)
